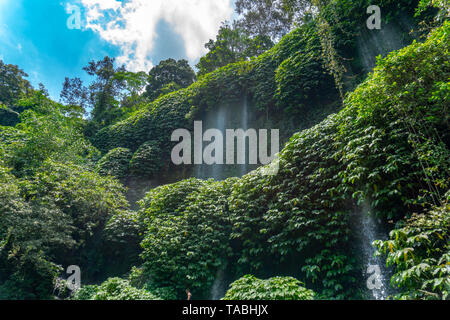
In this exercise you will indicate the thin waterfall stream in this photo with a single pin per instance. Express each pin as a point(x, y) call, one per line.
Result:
point(229, 116)
point(375, 274)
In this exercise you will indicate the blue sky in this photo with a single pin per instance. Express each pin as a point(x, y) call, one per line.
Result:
point(139, 33)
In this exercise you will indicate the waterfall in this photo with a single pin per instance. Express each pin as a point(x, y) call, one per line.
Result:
point(244, 125)
point(375, 274)
point(227, 116)
point(216, 171)
point(219, 288)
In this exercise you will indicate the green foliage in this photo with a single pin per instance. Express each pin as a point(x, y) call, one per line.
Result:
point(113, 289)
point(232, 44)
point(85, 293)
point(113, 94)
point(187, 234)
point(404, 165)
point(27, 234)
point(57, 218)
point(83, 195)
point(300, 81)
point(115, 163)
point(13, 86)
point(104, 90)
point(140, 279)
point(420, 252)
point(442, 5)
point(86, 202)
point(25, 274)
point(43, 135)
point(277, 288)
point(146, 161)
point(387, 147)
point(123, 235)
point(169, 75)
point(255, 78)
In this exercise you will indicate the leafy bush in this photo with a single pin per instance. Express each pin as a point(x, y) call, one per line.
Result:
point(146, 160)
point(420, 252)
point(277, 288)
point(28, 233)
point(43, 135)
point(85, 293)
point(25, 273)
point(115, 163)
point(123, 234)
point(186, 241)
point(301, 79)
point(86, 201)
point(113, 289)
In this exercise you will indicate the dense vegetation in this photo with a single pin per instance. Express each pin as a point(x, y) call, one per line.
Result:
point(368, 152)
point(278, 288)
point(420, 251)
point(63, 178)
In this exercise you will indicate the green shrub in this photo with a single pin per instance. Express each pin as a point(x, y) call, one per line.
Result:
point(186, 242)
point(28, 234)
point(85, 293)
point(113, 289)
point(420, 252)
point(85, 202)
point(115, 163)
point(277, 288)
point(146, 161)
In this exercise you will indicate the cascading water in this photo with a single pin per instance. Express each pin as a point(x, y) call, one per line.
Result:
point(219, 286)
point(375, 275)
point(214, 120)
point(244, 125)
point(233, 116)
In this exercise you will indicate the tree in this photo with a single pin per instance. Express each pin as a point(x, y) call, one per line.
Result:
point(169, 74)
point(134, 85)
point(232, 44)
point(12, 84)
point(74, 93)
point(104, 90)
point(112, 94)
point(275, 18)
point(266, 17)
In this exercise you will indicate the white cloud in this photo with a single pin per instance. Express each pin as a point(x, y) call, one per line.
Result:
point(132, 25)
point(3, 4)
